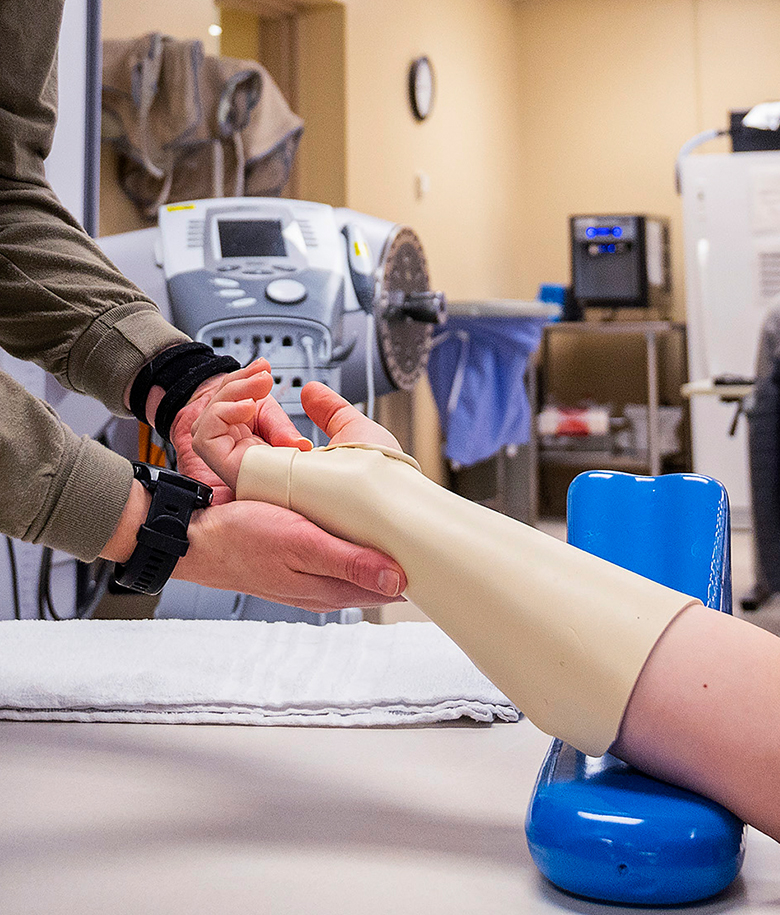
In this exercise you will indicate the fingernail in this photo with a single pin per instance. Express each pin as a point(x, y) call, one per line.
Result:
point(389, 582)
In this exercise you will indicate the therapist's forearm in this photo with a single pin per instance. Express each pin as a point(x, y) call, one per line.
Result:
point(705, 714)
point(123, 541)
point(61, 490)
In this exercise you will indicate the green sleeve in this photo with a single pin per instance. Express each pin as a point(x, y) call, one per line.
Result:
point(63, 304)
point(58, 489)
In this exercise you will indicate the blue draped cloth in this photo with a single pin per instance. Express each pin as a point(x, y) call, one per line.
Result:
point(477, 374)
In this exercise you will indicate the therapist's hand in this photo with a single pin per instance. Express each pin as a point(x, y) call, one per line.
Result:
point(276, 554)
point(262, 549)
point(269, 423)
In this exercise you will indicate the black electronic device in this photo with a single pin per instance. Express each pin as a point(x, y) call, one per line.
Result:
point(162, 538)
point(750, 139)
point(621, 261)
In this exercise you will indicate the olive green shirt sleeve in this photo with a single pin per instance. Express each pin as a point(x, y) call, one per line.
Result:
point(58, 489)
point(64, 306)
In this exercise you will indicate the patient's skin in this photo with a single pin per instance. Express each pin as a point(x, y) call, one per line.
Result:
point(705, 714)
point(705, 711)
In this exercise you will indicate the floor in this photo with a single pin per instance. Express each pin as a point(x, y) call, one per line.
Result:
point(768, 617)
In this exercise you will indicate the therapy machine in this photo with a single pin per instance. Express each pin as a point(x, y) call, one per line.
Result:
point(324, 294)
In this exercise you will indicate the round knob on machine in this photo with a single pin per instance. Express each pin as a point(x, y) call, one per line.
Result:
point(426, 307)
point(285, 292)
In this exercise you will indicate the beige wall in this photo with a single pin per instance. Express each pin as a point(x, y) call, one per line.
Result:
point(545, 108)
point(180, 18)
point(610, 91)
point(468, 147)
point(468, 222)
point(320, 99)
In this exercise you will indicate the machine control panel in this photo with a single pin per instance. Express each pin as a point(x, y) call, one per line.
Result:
point(260, 277)
point(286, 292)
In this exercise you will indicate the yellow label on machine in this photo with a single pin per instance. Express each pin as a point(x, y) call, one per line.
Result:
point(180, 206)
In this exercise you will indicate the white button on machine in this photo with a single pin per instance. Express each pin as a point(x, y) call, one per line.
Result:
point(231, 293)
point(243, 303)
point(286, 292)
point(225, 282)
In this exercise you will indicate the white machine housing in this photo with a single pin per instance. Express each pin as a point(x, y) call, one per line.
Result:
point(731, 213)
point(226, 262)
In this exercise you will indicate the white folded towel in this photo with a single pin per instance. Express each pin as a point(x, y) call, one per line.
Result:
point(240, 672)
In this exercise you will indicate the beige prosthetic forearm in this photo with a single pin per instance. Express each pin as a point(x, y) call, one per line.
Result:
point(562, 633)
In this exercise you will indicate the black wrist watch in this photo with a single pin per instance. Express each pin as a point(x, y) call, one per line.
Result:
point(162, 538)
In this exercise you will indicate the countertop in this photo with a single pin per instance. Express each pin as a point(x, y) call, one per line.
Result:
point(115, 818)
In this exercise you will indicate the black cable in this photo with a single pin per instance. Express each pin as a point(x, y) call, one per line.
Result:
point(14, 578)
point(89, 593)
point(45, 602)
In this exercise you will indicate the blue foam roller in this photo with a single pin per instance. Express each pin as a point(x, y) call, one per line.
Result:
point(598, 827)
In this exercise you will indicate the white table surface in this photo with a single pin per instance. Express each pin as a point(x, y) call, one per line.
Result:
point(172, 819)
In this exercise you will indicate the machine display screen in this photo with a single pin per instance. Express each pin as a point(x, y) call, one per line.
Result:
point(251, 238)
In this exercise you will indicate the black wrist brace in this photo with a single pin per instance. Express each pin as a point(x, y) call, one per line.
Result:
point(178, 370)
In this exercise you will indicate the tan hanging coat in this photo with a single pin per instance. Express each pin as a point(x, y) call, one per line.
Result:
point(187, 126)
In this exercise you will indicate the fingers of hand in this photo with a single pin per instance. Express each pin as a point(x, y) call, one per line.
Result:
point(319, 553)
point(258, 367)
point(276, 554)
point(326, 408)
point(340, 420)
point(223, 433)
point(270, 422)
point(326, 594)
point(276, 427)
point(237, 386)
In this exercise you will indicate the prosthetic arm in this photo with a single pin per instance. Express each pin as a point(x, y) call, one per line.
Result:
point(563, 634)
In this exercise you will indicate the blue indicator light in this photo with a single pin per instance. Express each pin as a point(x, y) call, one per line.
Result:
point(617, 231)
point(590, 231)
point(611, 249)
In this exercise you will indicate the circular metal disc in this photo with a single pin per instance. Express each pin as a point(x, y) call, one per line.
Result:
point(404, 343)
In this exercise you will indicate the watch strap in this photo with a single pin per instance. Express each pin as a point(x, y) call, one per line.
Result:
point(162, 538)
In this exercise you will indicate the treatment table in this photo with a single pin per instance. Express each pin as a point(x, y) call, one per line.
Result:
point(226, 820)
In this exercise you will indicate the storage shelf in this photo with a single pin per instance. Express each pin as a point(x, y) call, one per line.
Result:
point(664, 352)
point(595, 460)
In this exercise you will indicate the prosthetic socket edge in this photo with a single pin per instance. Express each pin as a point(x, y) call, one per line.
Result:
point(562, 633)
